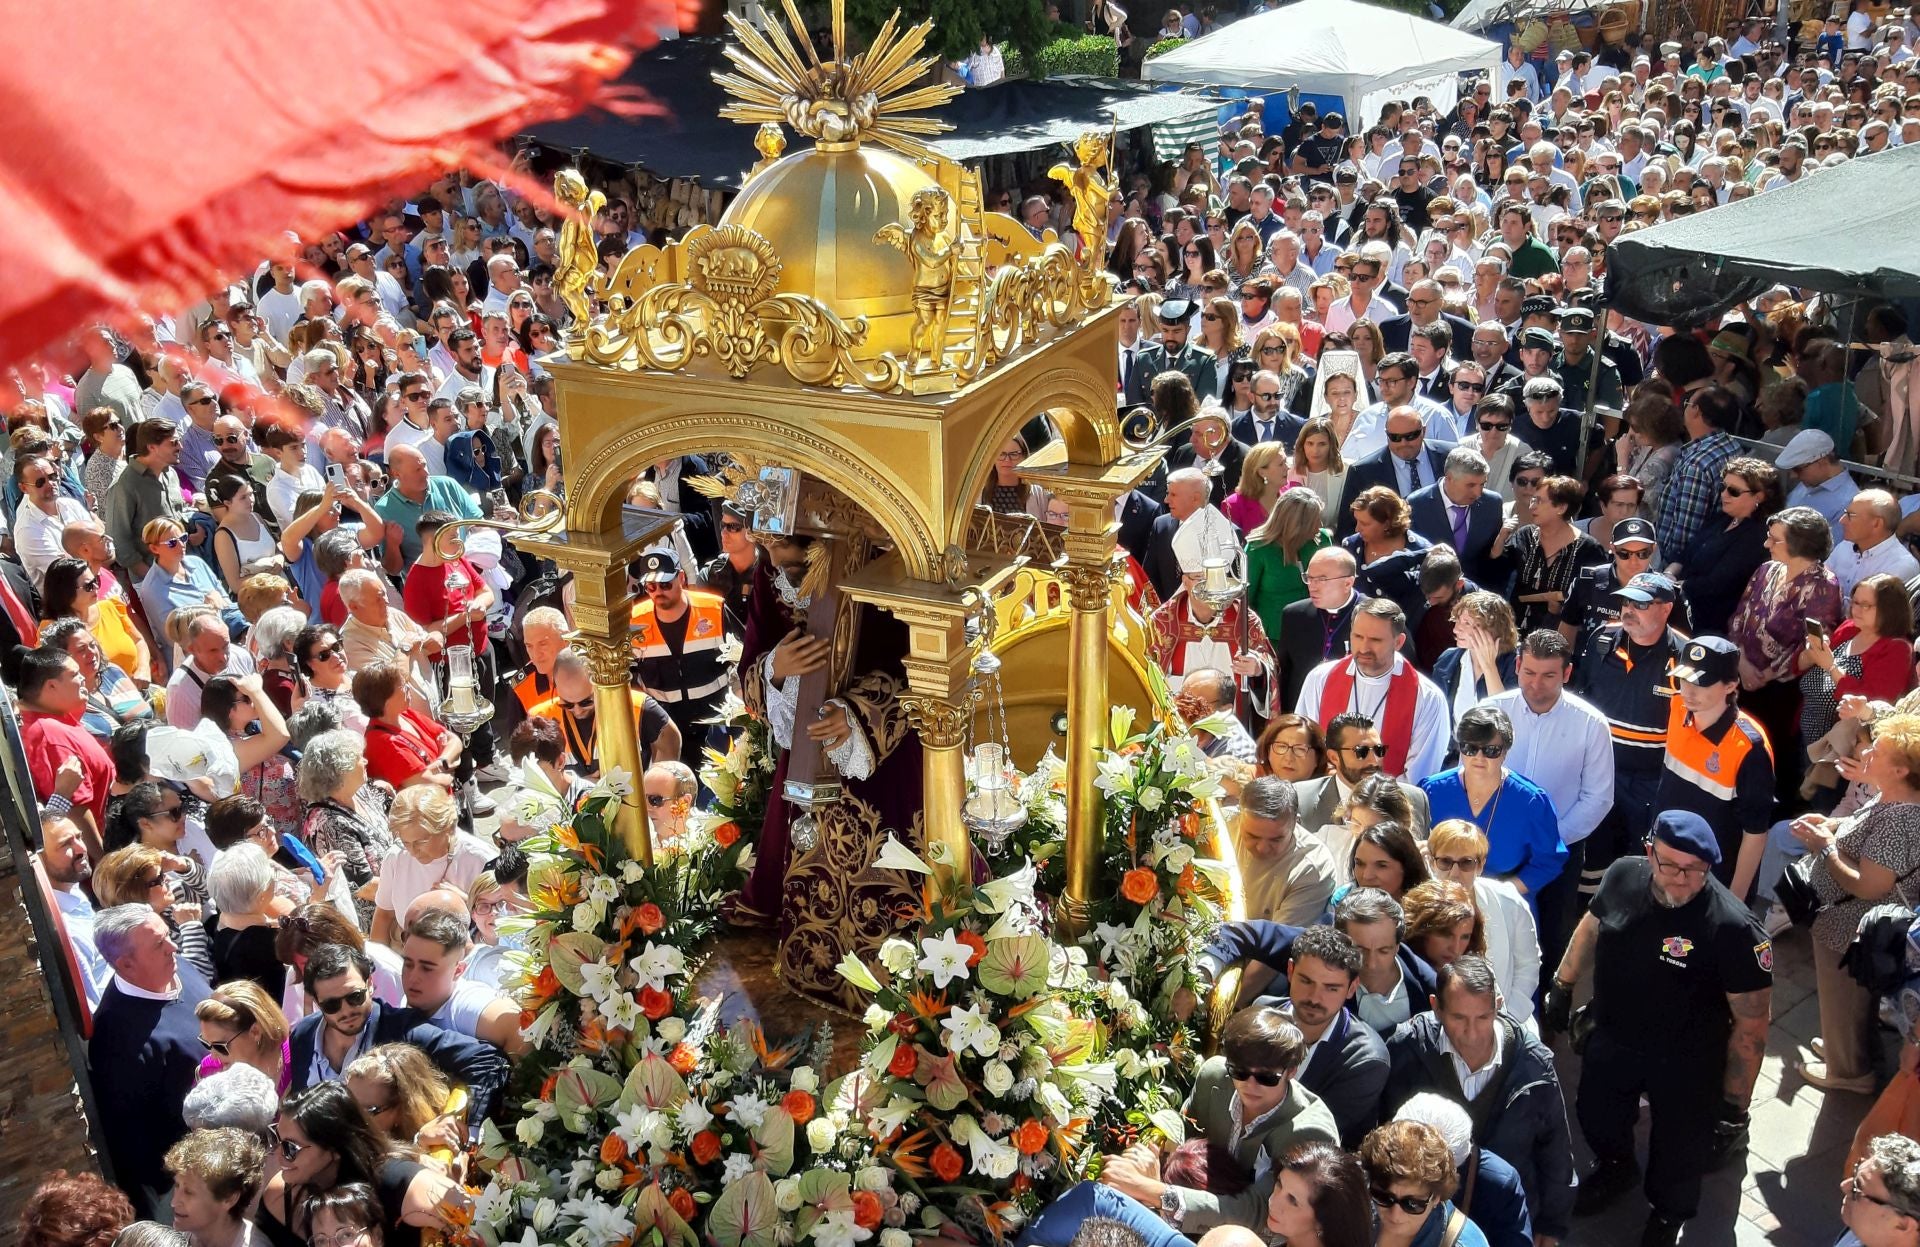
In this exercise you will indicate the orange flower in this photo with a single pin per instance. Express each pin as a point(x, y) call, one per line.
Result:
point(706, 1147)
point(655, 1003)
point(546, 985)
point(1031, 1137)
point(1139, 886)
point(904, 1061)
point(978, 945)
point(649, 918)
point(613, 1150)
point(947, 1162)
point(546, 1088)
point(683, 1059)
point(799, 1106)
point(726, 835)
point(680, 1199)
point(527, 1018)
point(867, 1210)
point(1189, 879)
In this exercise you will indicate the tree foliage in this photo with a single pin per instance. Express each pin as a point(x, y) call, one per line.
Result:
point(958, 24)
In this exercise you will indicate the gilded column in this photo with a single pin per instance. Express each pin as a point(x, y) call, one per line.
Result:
point(611, 663)
point(1088, 586)
point(942, 726)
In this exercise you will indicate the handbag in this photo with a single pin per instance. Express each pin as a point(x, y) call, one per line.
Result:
point(1877, 956)
point(1795, 890)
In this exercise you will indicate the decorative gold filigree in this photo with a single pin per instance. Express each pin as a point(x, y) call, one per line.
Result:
point(838, 100)
point(1088, 586)
point(728, 309)
point(1012, 536)
point(1022, 300)
point(577, 273)
point(932, 253)
point(941, 724)
point(610, 663)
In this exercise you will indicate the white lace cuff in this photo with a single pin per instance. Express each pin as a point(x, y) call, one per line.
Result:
point(852, 758)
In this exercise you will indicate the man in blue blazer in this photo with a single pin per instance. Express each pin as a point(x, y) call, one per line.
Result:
point(1458, 511)
point(1408, 464)
point(1424, 301)
point(348, 1023)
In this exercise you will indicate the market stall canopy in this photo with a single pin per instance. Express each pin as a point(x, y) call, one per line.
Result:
point(1362, 53)
point(1012, 116)
point(1685, 271)
point(1480, 14)
point(192, 140)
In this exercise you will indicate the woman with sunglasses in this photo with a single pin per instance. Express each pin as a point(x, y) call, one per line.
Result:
point(346, 815)
point(1220, 333)
point(166, 882)
point(325, 1141)
point(321, 659)
point(1196, 257)
point(241, 1024)
point(1725, 555)
point(108, 437)
point(1515, 814)
point(1457, 852)
point(71, 591)
point(1411, 1179)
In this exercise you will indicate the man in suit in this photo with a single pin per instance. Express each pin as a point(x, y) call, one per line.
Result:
point(1458, 510)
point(1266, 422)
point(1176, 324)
point(1187, 492)
point(1315, 629)
point(1466, 386)
point(1137, 512)
point(1490, 348)
point(1209, 448)
point(1354, 752)
point(1428, 345)
point(1406, 465)
point(1424, 301)
point(1141, 359)
point(350, 1022)
point(1348, 1065)
point(145, 1052)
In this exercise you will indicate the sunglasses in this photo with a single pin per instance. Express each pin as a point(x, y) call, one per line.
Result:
point(1265, 1077)
point(289, 1150)
point(324, 653)
point(1364, 752)
point(1529, 482)
point(1734, 491)
point(91, 584)
point(733, 528)
point(655, 800)
point(38, 481)
point(200, 402)
point(232, 439)
point(584, 703)
point(174, 812)
point(1483, 751)
point(418, 396)
point(1208, 316)
point(333, 1004)
point(1456, 863)
point(1475, 387)
point(1412, 1206)
point(219, 1046)
point(1400, 438)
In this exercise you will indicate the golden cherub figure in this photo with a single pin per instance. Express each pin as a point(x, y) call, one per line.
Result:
point(932, 255)
point(579, 258)
point(1091, 193)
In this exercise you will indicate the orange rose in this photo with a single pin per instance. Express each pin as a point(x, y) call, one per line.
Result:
point(1139, 886)
point(905, 1061)
point(546, 985)
point(680, 1199)
point(1031, 1137)
point(867, 1210)
point(978, 945)
point(1189, 879)
point(706, 1147)
point(683, 1059)
point(649, 918)
point(726, 835)
point(655, 1003)
point(613, 1150)
point(799, 1106)
point(947, 1162)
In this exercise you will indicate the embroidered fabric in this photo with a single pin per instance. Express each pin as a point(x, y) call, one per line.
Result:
point(853, 757)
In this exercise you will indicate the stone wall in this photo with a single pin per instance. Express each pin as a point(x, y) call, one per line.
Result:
point(42, 1126)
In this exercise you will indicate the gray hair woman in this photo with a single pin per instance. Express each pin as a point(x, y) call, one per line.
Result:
point(1881, 1204)
point(240, 1096)
point(272, 644)
point(345, 813)
point(242, 887)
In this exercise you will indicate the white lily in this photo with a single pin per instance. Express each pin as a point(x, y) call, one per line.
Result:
point(969, 1028)
point(945, 958)
point(897, 856)
point(656, 963)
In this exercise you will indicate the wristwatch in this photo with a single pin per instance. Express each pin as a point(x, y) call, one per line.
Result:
point(1170, 1207)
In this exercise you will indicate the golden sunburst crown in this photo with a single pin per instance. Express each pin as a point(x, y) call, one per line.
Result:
point(841, 99)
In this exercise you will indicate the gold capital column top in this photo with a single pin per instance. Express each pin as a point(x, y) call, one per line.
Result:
point(942, 727)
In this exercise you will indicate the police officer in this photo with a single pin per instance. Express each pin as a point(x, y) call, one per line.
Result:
point(730, 572)
point(1573, 362)
point(678, 640)
point(1682, 991)
point(1624, 671)
point(1591, 603)
point(1718, 761)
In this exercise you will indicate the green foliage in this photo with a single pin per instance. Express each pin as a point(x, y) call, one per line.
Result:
point(1017, 25)
point(1082, 54)
point(1164, 46)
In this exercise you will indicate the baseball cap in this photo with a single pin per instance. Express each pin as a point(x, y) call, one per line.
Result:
point(1687, 832)
point(1708, 660)
point(1807, 446)
point(1647, 587)
point(658, 567)
point(1635, 531)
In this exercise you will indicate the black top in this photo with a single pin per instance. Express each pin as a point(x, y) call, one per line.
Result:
point(1718, 566)
point(390, 1184)
point(1591, 604)
point(247, 954)
point(1562, 441)
point(1662, 976)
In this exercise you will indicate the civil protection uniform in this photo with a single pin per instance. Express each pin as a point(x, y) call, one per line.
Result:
point(681, 667)
point(1632, 685)
point(1722, 771)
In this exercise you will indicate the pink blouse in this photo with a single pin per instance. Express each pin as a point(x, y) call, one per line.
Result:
point(1245, 513)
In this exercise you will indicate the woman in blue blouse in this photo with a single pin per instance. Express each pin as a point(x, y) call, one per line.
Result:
point(1516, 816)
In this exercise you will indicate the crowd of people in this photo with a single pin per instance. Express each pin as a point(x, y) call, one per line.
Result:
point(1546, 656)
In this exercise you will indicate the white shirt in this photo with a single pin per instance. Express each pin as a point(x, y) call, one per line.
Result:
point(284, 490)
point(1474, 1081)
point(1568, 752)
point(464, 1008)
point(36, 535)
point(281, 312)
point(1508, 71)
point(1851, 565)
point(183, 690)
point(141, 993)
point(1369, 431)
point(1431, 729)
point(76, 911)
point(1383, 1013)
point(451, 387)
point(407, 433)
point(1513, 943)
point(403, 877)
point(1340, 316)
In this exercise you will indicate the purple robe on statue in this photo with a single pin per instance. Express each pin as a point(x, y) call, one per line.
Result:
point(829, 900)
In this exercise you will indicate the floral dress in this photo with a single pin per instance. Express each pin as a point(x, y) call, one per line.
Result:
point(1770, 624)
point(360, 834)
point(272, 784)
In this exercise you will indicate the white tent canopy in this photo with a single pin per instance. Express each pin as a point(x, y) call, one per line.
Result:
point(1362, 53)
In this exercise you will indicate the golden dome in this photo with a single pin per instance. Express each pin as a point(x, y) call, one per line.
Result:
point(820, 209)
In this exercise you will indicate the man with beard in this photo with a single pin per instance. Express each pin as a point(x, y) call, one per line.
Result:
point(1682, 992)
point(1346, 1063)
point(679, 639)
point(1354, 752)
point(64, 861)
point(348, 1022)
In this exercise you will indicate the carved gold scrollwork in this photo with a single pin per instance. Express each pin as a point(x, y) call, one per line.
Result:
point(1087, 586)
point(609, 662)
point(941, 724)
